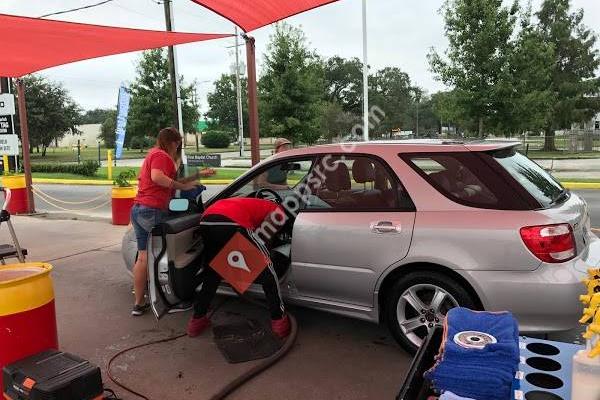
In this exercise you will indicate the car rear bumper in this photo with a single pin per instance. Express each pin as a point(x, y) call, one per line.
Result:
point(543, 300)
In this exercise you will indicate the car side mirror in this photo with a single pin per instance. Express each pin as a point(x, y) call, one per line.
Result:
point(179, 205)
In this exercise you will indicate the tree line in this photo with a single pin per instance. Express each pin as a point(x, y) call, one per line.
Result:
point(508, 70)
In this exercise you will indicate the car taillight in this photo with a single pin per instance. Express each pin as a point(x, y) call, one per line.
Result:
point(550, 243)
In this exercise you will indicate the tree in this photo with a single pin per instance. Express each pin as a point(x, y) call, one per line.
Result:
point(222, 104)
point(479, 33)
point(343, 83)
point(335, 122)
point(108, 129)
point(391, 91)
point(151, 106)
point(523, 96)
point(573, 85)
point(51, 112)
point(95, 116)
point(291, 87)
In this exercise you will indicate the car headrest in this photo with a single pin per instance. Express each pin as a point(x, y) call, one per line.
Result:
point(381, 179)
point(338, 178)
point(363, 170)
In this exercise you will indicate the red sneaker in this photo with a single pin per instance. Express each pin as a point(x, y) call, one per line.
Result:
point(197, 325)
point(281, 327)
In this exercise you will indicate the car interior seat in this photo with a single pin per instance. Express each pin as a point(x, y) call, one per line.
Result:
point(336, 183)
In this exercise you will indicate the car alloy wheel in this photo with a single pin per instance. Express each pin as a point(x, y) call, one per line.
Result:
point(422, 307)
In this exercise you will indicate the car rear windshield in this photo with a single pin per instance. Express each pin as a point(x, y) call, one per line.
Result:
point(539, 183)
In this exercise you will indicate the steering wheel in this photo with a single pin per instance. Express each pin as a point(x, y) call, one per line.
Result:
point(268, 194)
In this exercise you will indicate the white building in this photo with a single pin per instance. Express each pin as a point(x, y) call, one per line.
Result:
point(89, 137)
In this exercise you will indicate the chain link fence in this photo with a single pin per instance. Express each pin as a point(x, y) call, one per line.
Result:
point(569, 141)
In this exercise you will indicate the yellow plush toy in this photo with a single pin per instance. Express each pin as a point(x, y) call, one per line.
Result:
point(593, 302)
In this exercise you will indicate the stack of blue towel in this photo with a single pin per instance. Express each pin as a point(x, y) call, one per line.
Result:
point(482, 374)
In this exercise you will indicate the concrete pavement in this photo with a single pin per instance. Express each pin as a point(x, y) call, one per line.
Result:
point(334, 357)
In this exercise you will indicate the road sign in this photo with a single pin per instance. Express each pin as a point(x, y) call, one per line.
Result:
point(7, 104)
point(9, 145)
point(6, 127)
point(208, 160)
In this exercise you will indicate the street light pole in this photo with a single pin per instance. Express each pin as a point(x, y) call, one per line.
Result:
point(365, 75)
point(239, 94)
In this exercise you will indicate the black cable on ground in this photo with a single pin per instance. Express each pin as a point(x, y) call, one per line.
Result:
point(169, 339)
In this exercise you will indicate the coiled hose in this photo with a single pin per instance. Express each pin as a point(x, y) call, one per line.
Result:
point(237, 382)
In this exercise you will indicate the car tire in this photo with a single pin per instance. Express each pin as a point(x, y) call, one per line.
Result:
point(406, 323)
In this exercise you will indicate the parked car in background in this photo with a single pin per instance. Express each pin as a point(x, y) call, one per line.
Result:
point(401, 232)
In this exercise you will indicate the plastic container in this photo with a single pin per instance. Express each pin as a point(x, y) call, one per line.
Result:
point(586, 377)
point(27, 313)
point(18, 196)
point(122, 201)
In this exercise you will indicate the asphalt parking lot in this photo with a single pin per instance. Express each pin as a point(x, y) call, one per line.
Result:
point(333, 358)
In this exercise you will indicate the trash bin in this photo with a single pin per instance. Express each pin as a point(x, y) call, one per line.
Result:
point(122, 201)
point(18, 193)
point(27, 313)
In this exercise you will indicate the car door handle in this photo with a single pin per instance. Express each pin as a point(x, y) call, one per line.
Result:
point(385, 227)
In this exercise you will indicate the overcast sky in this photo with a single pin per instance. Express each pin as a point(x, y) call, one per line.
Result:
point(400, 34)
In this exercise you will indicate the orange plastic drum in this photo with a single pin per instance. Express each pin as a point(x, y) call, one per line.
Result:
point(18, 199)
point(27, 314)
point(122, 201)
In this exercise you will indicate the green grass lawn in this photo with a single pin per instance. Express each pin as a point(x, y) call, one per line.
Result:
point(222, 173)
point(64, 154)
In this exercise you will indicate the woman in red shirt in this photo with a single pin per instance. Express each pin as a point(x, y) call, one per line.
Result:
point(157, 182)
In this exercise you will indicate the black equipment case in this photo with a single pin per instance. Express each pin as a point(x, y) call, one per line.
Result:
point(52, 375)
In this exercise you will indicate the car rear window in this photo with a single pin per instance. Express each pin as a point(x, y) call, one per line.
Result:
point(466, 178)
point(539, 183)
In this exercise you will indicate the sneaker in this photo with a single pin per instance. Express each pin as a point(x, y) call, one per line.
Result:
point(197, 325)
point(139, 309)
point(281, 327)
point(181, 307)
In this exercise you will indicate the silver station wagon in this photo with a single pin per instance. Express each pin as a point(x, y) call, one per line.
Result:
point(400, 232)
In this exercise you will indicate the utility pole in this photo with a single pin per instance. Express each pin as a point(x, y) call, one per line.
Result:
point(239, 94)
point(365, 75)
point(175, 89)
point(252, 99)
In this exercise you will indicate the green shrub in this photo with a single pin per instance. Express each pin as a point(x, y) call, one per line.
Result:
point(216, 139)
point(86, 168)
point(141, 142)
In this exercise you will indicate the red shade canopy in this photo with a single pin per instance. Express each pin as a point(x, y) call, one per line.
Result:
point(31, 44)
point(253, 14)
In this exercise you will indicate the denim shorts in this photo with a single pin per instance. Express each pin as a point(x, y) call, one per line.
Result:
point(143, 220)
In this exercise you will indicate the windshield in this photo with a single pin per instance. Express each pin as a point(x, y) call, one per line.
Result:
point(539, 183)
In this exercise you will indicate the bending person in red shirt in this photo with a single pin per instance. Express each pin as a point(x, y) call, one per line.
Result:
point(157, 183)
point(219, 224)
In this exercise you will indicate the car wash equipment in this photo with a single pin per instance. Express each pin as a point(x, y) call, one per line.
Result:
point(586, 363)
point(27, 314)
point(52, 375)
point(6, 250)
point(479, 355)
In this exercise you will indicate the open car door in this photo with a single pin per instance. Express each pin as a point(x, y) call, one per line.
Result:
point(174, 262)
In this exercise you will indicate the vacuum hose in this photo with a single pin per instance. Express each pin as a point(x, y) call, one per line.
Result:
point(264, 365)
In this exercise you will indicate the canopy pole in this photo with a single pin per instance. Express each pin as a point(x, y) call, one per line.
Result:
point(175, 89)
point(25, 144)
point(252, 100)
point(365, 74)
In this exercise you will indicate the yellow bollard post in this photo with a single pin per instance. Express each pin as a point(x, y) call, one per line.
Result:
point(5, 165)
point(109, 164)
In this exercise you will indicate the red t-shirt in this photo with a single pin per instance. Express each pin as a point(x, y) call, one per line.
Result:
point(149, 193)
point(247, 212)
